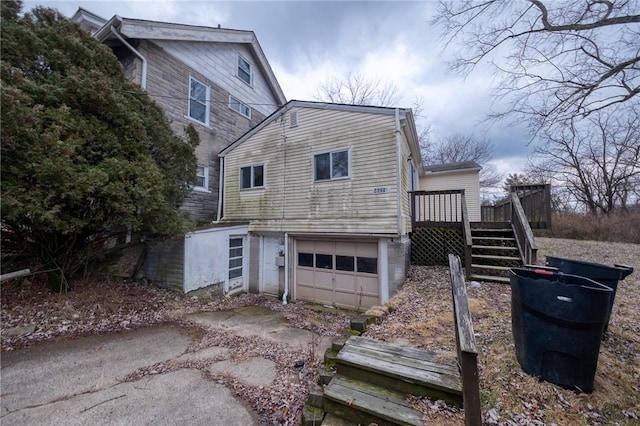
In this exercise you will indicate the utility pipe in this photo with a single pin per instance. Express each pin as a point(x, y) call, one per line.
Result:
point(143, 82)
point(286, 268)
point(220, 189)
point(398, 175)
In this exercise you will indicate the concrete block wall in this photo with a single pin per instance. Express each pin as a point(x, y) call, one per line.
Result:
point(399, 255)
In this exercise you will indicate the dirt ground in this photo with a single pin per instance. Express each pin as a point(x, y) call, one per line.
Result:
point(421, 315)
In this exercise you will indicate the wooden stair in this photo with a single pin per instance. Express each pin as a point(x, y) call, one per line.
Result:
point(373, 380)
point(493, 252)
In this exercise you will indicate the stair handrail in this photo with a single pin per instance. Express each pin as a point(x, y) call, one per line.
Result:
point(468, 239)
point(465, 345)
point(523, 233)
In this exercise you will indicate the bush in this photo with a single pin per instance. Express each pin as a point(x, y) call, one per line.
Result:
point(615, 228)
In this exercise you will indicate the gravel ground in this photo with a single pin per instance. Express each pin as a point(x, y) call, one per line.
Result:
point(421, 315)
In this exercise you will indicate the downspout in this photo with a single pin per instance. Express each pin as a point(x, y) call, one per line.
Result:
point(220, 189)
point(286, 268)
point(398, 175)
point(143, 82)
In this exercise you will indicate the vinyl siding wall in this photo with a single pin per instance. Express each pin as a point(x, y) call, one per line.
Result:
point(292, 201)
point(467, 180)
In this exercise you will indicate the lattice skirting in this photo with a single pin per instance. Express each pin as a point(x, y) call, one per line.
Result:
point(431, 246)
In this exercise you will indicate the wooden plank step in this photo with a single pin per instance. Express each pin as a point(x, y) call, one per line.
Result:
point(364, 403)
point(495, 257)
point(403, 369)
point(490, 278)
point(493, 267)
point(493, 238)
point(510, 248)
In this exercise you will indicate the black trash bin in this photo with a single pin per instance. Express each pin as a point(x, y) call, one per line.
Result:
point(604, 274)
point(557, 323)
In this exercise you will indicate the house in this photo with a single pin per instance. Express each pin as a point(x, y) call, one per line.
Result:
point(217, 79)
point(323, 191)
point(455, 176)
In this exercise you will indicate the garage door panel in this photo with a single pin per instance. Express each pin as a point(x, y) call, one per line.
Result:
point(304, 291)
point(345, 282)
point(368, 285)
point(346, 248)
point(343, 300)
point(367, 249)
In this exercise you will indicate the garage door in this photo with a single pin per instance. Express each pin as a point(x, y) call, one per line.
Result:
point(339, 273)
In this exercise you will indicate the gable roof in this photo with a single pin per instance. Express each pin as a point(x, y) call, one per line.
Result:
point(469, 166)
point(405, 114)
point(154, 30)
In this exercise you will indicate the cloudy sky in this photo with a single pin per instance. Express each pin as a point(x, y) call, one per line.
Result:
point(307, 42)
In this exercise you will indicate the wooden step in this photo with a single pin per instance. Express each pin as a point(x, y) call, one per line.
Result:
point(400, 368)
point(493, 238)
point(493, 267)
point(510, 248)
point(495, 257)
point(490, 278)
point(364, 403)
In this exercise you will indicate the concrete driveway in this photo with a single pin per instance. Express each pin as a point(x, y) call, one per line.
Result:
point(80, 381)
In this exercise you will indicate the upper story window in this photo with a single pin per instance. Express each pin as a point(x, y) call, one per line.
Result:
point(236, 105)
point(202, 178)
point(244, 70)
point(199, 101)
point(252, 176)
point(331, 165)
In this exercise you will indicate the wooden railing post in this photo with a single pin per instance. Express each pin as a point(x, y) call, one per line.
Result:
point(466, 345)
point(468, 239)
point(524, 235)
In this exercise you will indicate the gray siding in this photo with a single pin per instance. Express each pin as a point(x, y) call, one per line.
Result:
point(168, 86)
point(164, 263)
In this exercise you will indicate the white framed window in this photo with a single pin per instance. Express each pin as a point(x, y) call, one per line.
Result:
point(252, 176)
point(199, 101)
point(244, 70)
point(236, 105)
point(332, 165)
point(202, 178)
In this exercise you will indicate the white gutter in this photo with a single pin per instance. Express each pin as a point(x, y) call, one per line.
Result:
point(220, 189)
point(143, 82)
point(286, 268)
point(398, 175)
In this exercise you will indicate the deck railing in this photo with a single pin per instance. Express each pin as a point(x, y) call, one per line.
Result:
point(524, 235)
point(436, 208)
point(535, 201)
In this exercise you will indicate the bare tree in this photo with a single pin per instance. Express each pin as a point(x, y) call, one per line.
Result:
point(458, 148)
point(597, 160)
point(356, 89)
point(561, 60)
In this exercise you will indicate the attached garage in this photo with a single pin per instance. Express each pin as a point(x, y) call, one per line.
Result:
point(340, 273)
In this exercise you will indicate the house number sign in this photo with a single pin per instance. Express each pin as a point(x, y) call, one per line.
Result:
point(381, 190)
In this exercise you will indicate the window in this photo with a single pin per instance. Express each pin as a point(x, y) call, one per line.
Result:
point(344, 263)
point(368, 265)
point(238, 106)
point(235, 257)
point(252, 177)
point(324, 261)
point(202, 178)
point(305, 259)
point(198, 101)
point(244, 70)
point(331, 165)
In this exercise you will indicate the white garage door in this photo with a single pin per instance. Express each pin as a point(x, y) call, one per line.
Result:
point(340, 273)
